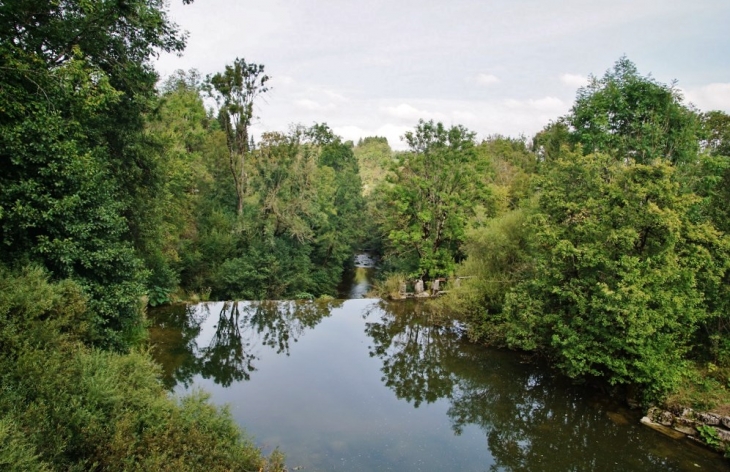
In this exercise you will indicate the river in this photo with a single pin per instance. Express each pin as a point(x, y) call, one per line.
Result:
point(365, 385)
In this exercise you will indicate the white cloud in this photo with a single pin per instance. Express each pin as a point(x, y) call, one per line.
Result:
point(283, 80)
point(403, 110)
point(461, 116)
point(574, 80)
point(350, 132)
point(335, 95)
point(710, 97)
point(394, 133)
point(391, 131)
point(486, 79)
point(311, 105)
point(410, 113)
point(545, 104)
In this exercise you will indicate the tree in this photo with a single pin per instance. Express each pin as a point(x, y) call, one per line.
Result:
point(374, 157)
point(178, 128)
point(630, 116)
point(235, 90)
point(424, 206)
point(75, 82)
point(621, 272)
point(340, 228)
point(715, 133)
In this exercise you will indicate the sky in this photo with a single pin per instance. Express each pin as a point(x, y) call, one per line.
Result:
point(374, 68)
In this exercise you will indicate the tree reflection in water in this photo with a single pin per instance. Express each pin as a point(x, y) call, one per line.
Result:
point(412, 351)
point(242, 328)
point(533, 419)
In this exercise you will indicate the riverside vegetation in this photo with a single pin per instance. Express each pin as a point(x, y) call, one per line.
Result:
point(601, 243)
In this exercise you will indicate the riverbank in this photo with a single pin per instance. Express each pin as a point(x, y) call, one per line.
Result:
point(699, 410)
point(709, 429)
point(67, 406)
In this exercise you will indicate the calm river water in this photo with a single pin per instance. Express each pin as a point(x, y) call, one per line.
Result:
point(362, 385)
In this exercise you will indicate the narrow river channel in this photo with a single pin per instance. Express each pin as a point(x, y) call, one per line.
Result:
point(364, 385)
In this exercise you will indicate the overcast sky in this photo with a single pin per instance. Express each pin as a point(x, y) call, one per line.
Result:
point(375, 67)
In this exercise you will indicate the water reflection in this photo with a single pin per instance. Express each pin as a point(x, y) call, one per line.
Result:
point(230, 352)
point(379, 386)
point(412, 351)
point(532, 418)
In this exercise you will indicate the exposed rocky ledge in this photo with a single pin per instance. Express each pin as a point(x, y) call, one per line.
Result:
point(710, 429)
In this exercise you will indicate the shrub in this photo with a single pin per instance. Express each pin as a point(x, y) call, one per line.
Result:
point(80, 408)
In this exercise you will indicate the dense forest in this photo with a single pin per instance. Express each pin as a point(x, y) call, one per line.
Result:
point(602, 243)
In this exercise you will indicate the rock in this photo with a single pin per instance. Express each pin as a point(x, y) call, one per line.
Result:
point(688, 430)
point(709, 419)
point(435, 286)
point(723, 434)
point(681, 411)
point(725, 420)
point(684, 425)
point(666, 418)
point(418, 288)
point(617, 418)
point(662, 429)
point(654, 413)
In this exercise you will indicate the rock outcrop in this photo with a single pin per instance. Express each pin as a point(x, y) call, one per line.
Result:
point(710, 429)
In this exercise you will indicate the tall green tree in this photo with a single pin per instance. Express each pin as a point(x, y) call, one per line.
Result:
point(374, 157)
point(341, 230)
point(621, 272)
point(75, 82)
point(235, 90)
point(179, 131)
point(715, 133)
point(429, 196)
point(631, 116)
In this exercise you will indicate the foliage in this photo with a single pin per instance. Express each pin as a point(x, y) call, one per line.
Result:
point(548, 143)
point(374, 157)
point(709, 435)
point(630, 116)
point(510, 169)
point(703, 388)
point(77, 172)
point(714, 133)
point(389, 287)
point(179, 128)
point(16, 453)
point(80, 408)
point(430, 194)
point(235, 90)
point(498, 257)
point(61, 206)
point(299, 223)
point(620, 272)
point(708, 178)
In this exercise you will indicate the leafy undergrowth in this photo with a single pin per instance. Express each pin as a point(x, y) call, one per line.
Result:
point(65, 406)
point(706, 387)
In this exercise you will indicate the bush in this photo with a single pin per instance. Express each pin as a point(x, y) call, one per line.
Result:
point(77, 408)
point(497, 259)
